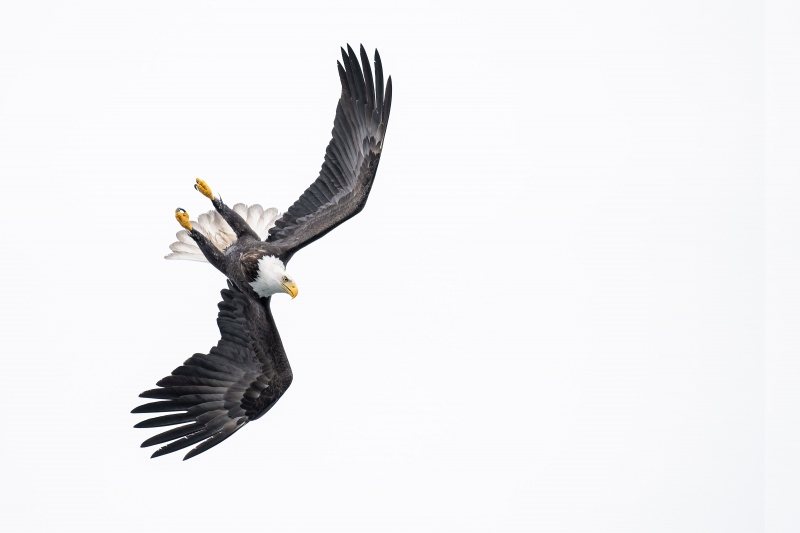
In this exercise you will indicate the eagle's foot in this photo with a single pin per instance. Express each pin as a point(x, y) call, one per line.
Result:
point(183, 219)
point(204, 189)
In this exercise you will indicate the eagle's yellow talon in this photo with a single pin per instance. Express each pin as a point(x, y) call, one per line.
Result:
point(204, 189)
point(183, 219)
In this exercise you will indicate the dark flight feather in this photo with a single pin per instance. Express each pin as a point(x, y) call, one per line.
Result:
point(227, 430)
point(368, 78)
point(167, 420)
point(351, 158)
point(159, 407)
point(221, 391)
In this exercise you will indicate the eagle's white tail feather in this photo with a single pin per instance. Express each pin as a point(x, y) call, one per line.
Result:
point(214, 227)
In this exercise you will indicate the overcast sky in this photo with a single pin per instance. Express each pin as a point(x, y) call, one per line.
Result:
point(549, 317)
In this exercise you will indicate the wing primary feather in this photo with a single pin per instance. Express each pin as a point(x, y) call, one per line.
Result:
point(387, 104)
point(343, 79)
point(349, 71)
point(171, 381)
point(159, 407)
point(189, 439)
point(172, 434)
point(168, 420)
point(160, 394)
point(227, 430)
point(378, 81)
point(358, 77)
point(367, 77)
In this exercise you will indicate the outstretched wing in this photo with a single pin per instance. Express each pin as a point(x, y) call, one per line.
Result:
point(239, 380)
point(351, 159)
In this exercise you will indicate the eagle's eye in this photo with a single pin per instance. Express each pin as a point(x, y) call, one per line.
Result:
point(285, 279)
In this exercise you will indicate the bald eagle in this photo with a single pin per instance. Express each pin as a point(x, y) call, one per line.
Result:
point(214, 395)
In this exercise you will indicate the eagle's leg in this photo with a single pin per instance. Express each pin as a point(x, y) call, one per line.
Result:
point(239, 226)
point(211, 252)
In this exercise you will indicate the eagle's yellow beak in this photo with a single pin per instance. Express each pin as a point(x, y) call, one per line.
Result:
point(290, 288)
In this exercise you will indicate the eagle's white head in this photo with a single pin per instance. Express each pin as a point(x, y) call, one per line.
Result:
point(271, 278)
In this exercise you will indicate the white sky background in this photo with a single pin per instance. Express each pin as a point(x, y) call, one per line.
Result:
point(782, 311)
point(549, 317)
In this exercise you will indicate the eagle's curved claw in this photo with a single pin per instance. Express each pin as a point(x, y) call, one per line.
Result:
point(183, 219)
point(204, 189)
